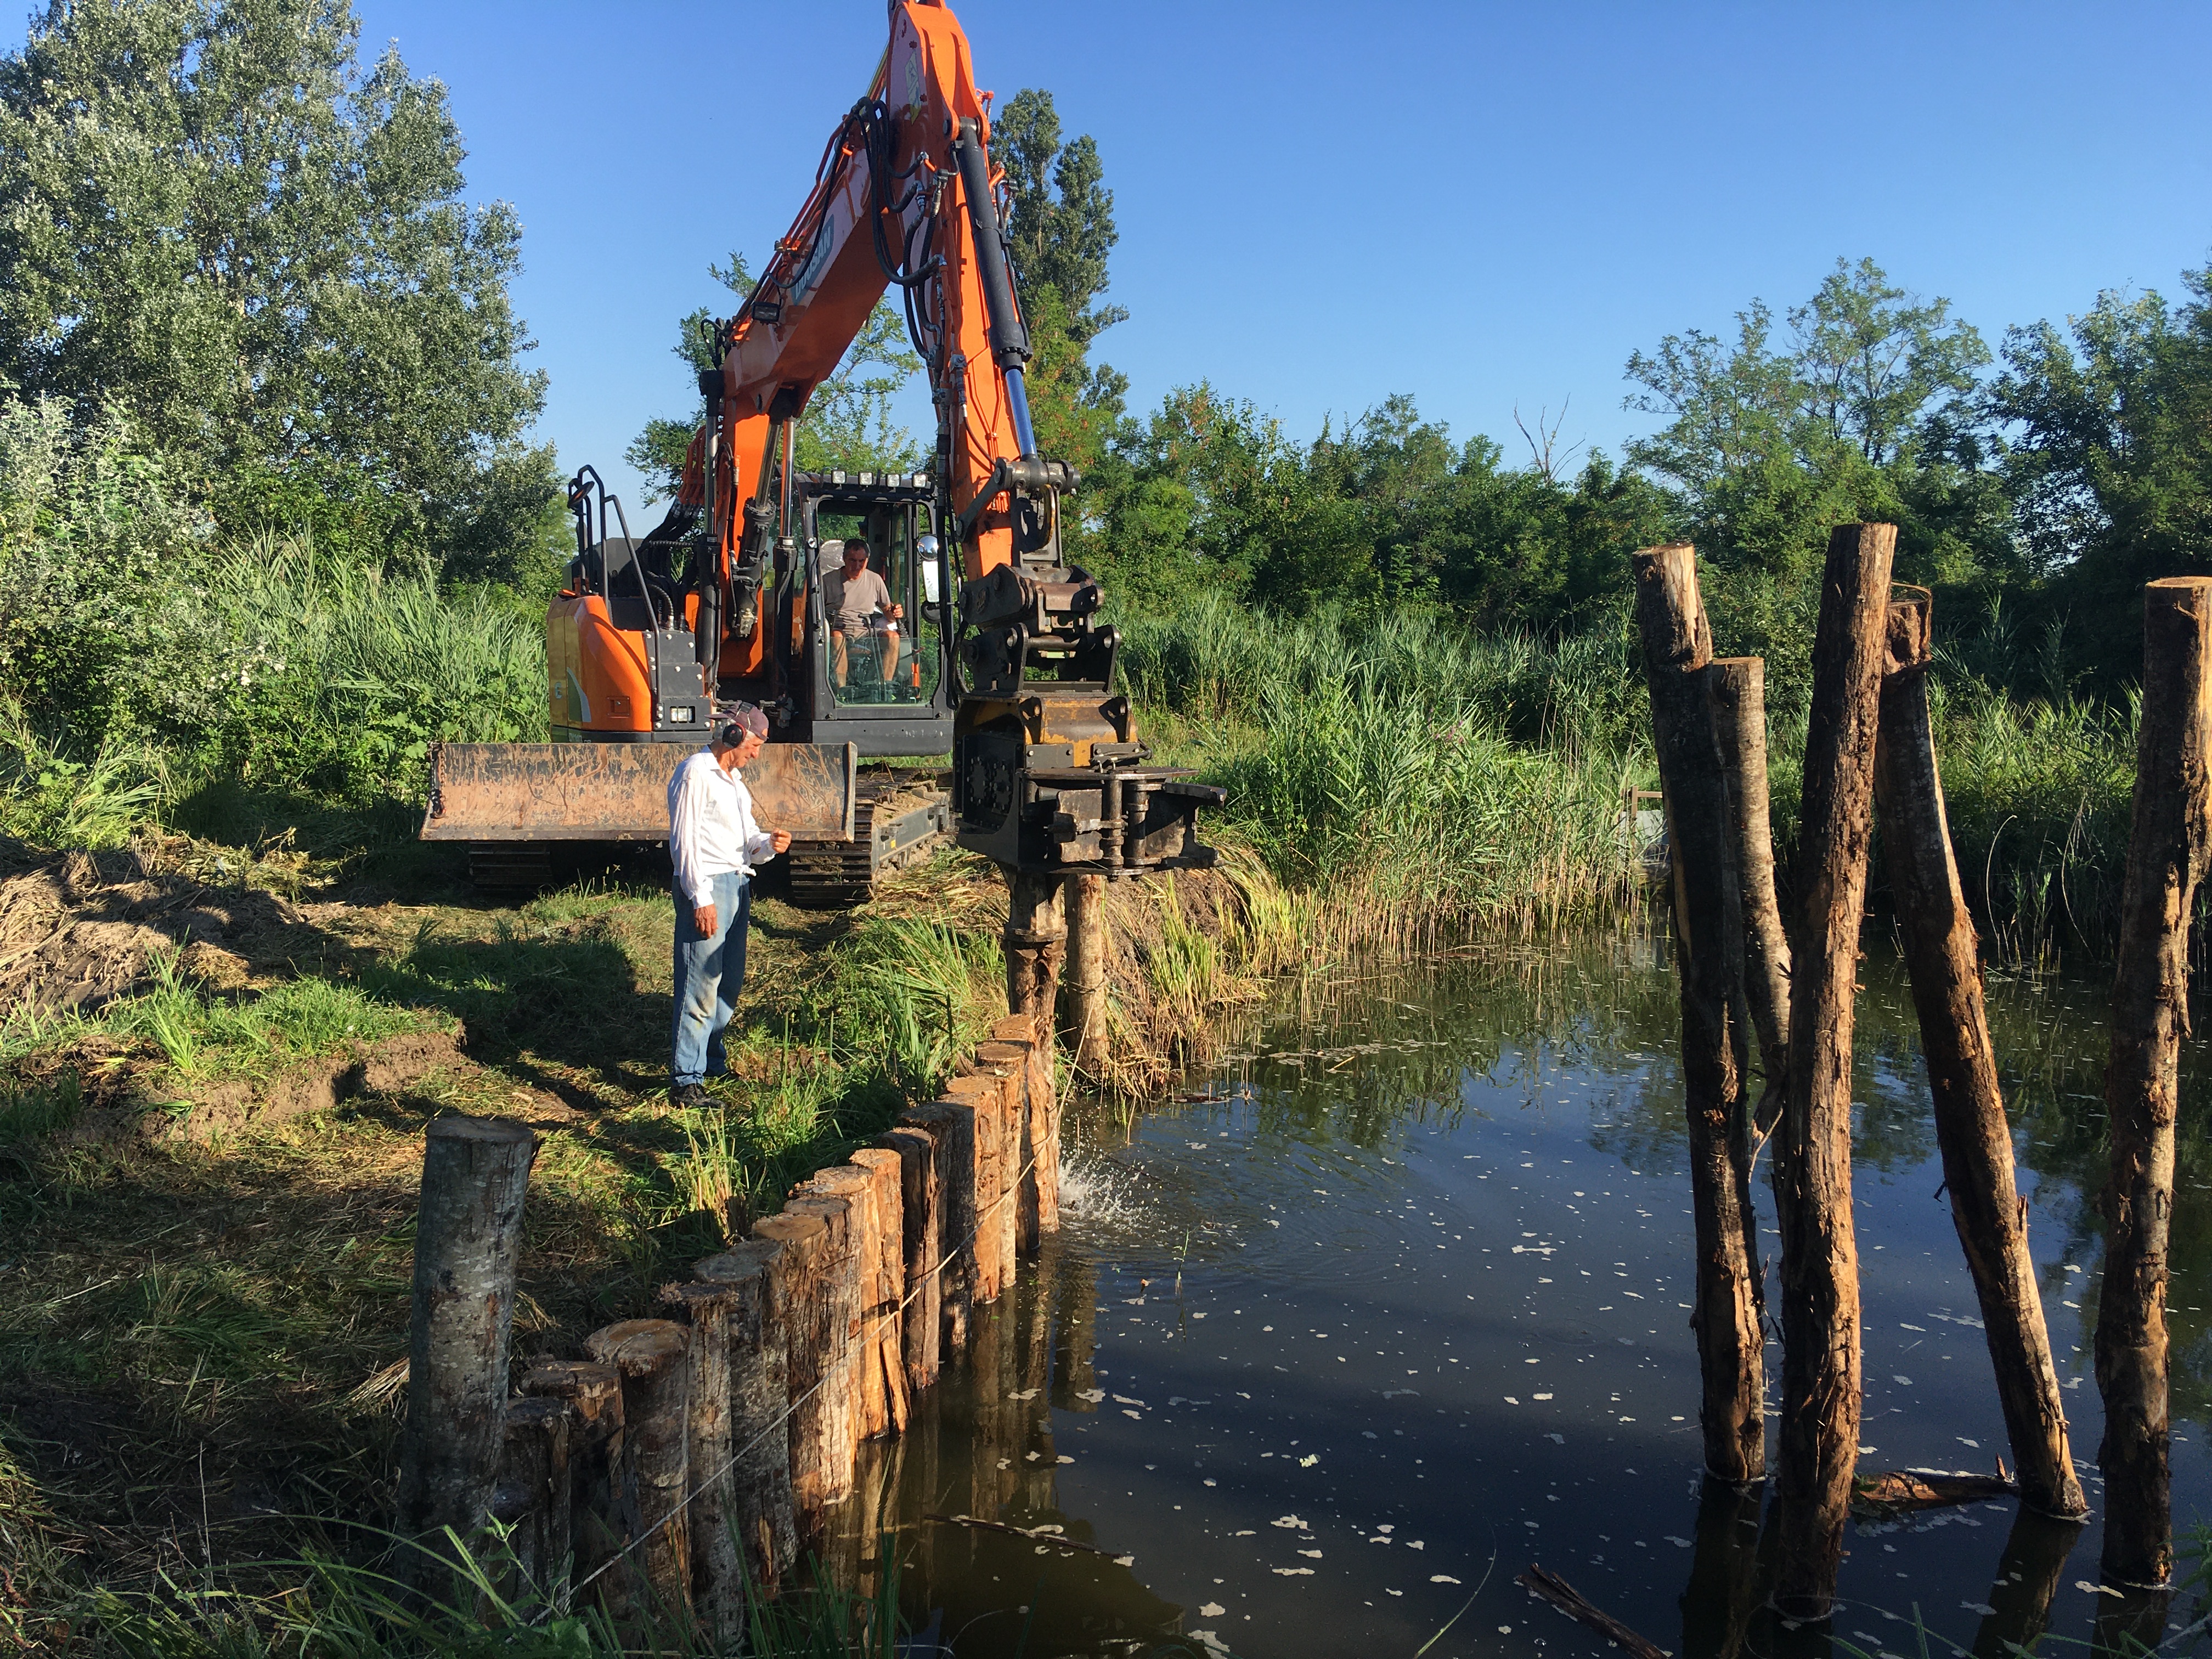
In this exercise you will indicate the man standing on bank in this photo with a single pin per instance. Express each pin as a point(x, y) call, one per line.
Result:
point(714, 844)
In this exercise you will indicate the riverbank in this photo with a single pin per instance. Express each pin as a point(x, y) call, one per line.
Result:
point(217, 1082)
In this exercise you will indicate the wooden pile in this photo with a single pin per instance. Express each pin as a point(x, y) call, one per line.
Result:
point(689, 1456)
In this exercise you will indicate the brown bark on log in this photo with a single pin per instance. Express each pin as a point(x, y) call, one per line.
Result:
point(1709, 941)
point(602, 1510)
point(1036, 939)
point(1737, 687)
point(1012, 1062)
point(1083, 1011)
point(881, 1321)
point(959, 1276)
point(717, 1568)
point(1942, 959)
point(860, 1382)
point(1896, 1490)
point(468, 1240)
point(533, 1496)
point(2167, 848)
point(920, 1140)
point(986, 1102)
point(838, 1311)
point(1821, 1360)
point(760, 1396)
point(1041, 1187)
point(654, 1359)
point(796, 1281)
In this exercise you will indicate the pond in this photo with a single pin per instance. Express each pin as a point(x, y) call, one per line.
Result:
point(1394, 1303)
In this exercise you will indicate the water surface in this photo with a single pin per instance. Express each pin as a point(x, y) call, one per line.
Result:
point(1394, 1302)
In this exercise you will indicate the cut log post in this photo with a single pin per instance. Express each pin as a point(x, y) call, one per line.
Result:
point(602, 1510)
point(468, 1242)
point(1040, 1188)
point(654, 1359)
point(760, 1396)
point(880, 1319)
point(921, 1220)
point(1036, 940)
point(2167, 848)
point(958, 1277)
point(1945, 968)
point(1009, 1062)
point(860, 1382)
point(1083, 1011)
point(796, 1282)
point(534, 1498)
point(1821, 1360)
point(718, 1589)
point(984, 1101)
point(1709, 942)
point(837, 1326)
point(1737, 688)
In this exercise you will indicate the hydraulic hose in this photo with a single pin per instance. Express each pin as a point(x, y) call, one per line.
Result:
point(1010, 336)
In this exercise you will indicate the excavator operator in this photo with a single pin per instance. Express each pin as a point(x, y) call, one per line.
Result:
point(863, 617)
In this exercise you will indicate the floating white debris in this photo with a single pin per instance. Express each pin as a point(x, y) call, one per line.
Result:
point(1442, 1578)
point(1414, 1544)
point(1211, 1610)
point(1289, 1522)
point(1314, 1555)
point(1902, 1382)
point(1293, 1573)
point(2097, 1589)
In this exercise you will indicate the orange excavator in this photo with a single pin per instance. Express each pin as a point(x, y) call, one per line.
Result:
point(982, 641)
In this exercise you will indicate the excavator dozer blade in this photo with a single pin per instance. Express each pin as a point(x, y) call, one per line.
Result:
point(529, 791)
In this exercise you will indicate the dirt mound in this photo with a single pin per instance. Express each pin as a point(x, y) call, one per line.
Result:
point(78, 929)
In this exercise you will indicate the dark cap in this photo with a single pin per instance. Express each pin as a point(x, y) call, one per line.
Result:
point(742, 720)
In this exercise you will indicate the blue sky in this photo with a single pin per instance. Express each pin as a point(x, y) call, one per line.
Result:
point(1485, 206)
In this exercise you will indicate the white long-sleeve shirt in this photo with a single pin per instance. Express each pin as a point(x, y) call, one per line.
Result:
point(711, 830)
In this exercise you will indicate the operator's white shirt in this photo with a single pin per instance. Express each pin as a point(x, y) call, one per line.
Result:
point(711, 830)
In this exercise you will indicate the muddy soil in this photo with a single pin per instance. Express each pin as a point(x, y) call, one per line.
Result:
point(78, 930)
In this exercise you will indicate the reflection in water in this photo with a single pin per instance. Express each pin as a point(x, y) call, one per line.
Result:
point(1397, 1304)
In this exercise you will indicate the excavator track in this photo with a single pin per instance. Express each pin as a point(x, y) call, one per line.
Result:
point(896, 813)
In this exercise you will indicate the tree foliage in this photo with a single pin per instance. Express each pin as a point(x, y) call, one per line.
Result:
point(221, 222)
point(848, 423)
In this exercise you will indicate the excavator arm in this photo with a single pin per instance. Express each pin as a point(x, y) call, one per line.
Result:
point(906, 195)
point(1048, 776)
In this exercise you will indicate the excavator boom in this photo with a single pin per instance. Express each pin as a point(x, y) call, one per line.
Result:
point(1005, 663)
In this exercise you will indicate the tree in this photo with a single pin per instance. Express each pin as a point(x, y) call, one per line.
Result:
point(847, 423)
point(2109, 461)
point(1872, 358)
point(219, 223)
point(1061, 226)
point(1861, 414)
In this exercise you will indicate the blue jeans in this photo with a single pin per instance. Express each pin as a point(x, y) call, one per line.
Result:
point(710, 971)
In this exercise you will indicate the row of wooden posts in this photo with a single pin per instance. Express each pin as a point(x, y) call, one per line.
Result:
point(1871, 759)
point(689, 1459)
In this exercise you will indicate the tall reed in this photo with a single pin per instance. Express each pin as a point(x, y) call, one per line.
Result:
point(1419, 778)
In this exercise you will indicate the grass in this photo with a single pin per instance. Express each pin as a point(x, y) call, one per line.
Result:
point(334, 1609)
